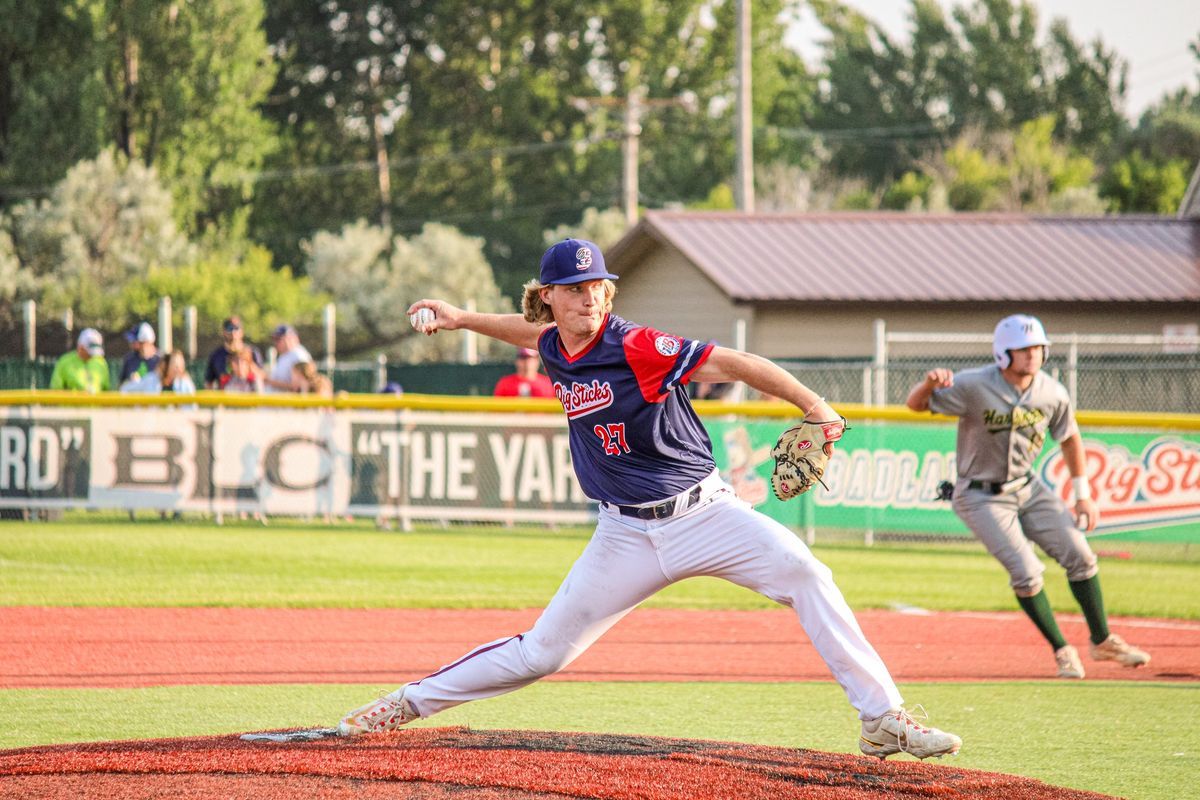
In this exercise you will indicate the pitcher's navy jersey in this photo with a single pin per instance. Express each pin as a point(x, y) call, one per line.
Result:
point(635, 438)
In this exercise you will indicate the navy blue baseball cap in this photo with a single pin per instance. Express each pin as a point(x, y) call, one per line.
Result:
point(573, 261)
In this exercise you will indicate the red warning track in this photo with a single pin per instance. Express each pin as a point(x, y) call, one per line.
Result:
point(129, 647)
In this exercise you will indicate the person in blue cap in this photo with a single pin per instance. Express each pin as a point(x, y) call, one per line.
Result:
point(665, 514)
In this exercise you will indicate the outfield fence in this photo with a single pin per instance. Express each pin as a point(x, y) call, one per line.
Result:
point(457, 459)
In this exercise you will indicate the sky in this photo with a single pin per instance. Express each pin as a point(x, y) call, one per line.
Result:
point(1151, 35)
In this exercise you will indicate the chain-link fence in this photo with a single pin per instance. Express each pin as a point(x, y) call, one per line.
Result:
point(1101, 372)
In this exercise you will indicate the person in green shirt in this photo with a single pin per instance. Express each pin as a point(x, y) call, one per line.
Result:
point(84, 368)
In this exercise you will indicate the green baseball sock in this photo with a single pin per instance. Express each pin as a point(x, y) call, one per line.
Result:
point(1037, 608)
point(1091, 600)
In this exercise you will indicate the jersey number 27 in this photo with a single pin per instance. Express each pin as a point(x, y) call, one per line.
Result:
point(613, 436)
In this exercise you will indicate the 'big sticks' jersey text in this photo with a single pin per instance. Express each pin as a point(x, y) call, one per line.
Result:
point(635, 438)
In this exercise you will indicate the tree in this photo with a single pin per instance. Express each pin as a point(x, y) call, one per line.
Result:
point(373, 276)
point(1039, 168)
point(50, 93)
point(481, 130)
point(184, 81)
point(105, 224)
point(1136, 183)
point(344, 83)
point(220, 284)
point(983, 171)
point(1006, 81)
point(881, 107)
point(604, 228)
point(1156, 159)
point(16, 282)
point(885, 106)
point(1088, 87)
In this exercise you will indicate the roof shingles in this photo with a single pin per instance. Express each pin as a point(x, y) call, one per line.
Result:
point(959, 257)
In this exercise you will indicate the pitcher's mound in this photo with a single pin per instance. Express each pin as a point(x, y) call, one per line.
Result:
point(488, 765)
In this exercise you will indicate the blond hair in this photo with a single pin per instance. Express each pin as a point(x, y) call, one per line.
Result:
point(535, 310)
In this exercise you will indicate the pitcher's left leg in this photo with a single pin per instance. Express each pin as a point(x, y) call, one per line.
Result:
point(728, 539)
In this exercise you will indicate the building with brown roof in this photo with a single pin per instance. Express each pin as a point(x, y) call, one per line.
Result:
point(812, 285)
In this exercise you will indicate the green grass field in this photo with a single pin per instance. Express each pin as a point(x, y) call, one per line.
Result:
point(1127, 739)
point(103, 561)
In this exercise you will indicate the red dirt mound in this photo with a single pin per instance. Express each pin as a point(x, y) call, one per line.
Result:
point(488, 765)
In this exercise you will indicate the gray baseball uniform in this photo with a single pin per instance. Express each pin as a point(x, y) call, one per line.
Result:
point(1001, 431)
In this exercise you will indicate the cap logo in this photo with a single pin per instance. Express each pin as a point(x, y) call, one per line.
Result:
point(667, 345)
point(583, 259)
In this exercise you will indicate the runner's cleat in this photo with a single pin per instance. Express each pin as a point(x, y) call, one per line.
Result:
point(1114, 648)
point(1066, 658)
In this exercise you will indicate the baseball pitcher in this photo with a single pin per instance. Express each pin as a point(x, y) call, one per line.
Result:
point(1004, 413)
point(665, 514)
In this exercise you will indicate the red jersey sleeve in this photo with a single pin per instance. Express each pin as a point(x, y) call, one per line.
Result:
point(662, 362)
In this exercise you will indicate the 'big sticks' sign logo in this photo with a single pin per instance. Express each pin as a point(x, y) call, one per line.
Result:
point(1159, 486)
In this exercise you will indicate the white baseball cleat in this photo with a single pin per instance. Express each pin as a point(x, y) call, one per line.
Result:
point(385, 714)
point(1114, 648)
point(897, 732)
point(1066, 658)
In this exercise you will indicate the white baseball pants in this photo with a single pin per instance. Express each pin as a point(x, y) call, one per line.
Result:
point(629, 559)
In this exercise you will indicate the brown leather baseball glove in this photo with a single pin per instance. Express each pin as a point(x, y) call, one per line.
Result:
point(801, 455)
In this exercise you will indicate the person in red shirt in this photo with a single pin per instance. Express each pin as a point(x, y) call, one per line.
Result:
point(526, 381)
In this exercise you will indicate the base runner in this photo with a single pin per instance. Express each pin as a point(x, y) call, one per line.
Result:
point(665, 514)
point(1004, 413)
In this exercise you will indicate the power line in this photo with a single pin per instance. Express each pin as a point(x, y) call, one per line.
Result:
point(352, 167)
point(914, 130)
point(595, 200)
point(431, 158)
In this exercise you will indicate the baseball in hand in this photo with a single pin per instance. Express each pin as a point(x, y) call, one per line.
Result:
point(423, 317)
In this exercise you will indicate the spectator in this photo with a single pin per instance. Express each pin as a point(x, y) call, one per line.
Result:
point(220, 361)
point(84, 368)
point(392, 388)
point(306, 380)
point(288, 353)
point(526, 381)
point(142, 358)
point(244, 375)
point(171, 375)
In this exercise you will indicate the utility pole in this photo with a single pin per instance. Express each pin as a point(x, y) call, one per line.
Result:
point(633, 106)
point(743, 187)
point(631, 130)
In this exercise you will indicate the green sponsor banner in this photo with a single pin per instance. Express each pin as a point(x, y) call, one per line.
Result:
point(44, 459)
point(884, 477)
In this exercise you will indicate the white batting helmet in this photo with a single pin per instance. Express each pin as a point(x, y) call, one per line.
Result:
point(1016, 333)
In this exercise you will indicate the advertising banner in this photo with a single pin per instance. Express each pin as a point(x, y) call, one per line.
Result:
point(884, 477)
point(417, 465)
point(407, 464)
